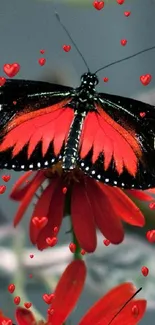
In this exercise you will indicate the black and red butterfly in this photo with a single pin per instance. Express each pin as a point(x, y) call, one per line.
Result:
point(110, 138)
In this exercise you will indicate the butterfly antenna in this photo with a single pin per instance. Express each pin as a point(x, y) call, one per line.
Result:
point(128, 57)
point(126, 303)
point(59, 20)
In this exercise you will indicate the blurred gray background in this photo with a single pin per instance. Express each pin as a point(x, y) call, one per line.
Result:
point(25, 28)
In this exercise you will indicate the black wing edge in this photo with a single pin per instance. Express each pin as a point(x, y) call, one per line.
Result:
point(17, 95)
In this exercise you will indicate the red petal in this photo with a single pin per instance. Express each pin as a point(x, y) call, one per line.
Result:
point(3, 318)
point(124, 207)
point(55, 215)
point(19, 189)
point(105, 216)
point(127, 317)
point(68, 291)
point(42, 209)
point(37, 181)
point(151, 190)
point(105, 309)
point(82, 218)
point(140, 195)
point(24, 316)
point(62, 129)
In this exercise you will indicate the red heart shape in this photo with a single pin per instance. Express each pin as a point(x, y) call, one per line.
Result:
point(42, 61)
point(150, 235)
point(51, 241)
point(127, 13)
point(135, 310)
point(105, 79)
point(66, 48)
point(64, 190)
point(42, 51)
point(40, 222)
point(123, 42)
point(48, 298)
point(7, 322)
point(72, 247)
point(106, 242)
point(17, 300)
point(145, 79)
point(152, 205)
point(11, 288)
point(2, 81)
point(27, 304)
point(98, 5)
point(2, 189)
point(6, 178)
point(120, 2)
point(56, 230)
point(31, 256)
point(142, 114)
point(11, 69)
point(50, 311)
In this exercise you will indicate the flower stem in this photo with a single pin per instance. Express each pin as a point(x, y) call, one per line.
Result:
point(77, 253)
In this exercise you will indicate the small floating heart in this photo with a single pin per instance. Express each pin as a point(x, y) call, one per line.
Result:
point(98, 5)
point(146, 79)
point(11, 69)
point(66, 48)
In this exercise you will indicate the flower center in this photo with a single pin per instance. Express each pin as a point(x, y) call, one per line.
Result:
point(75, 175)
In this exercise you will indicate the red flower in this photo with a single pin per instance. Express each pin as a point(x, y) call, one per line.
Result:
point(67, 293)
point(93, 205)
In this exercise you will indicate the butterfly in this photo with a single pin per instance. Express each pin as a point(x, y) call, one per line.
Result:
point(108, 137)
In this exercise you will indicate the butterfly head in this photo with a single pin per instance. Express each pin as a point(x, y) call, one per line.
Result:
point(89, 80)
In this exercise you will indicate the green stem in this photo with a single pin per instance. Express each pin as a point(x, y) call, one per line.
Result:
point(77, 254)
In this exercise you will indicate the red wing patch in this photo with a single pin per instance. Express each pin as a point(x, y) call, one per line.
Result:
point(46, 125)
point(102, 134)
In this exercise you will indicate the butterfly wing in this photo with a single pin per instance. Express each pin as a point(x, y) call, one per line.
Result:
point(117, 143)
point(32, 128)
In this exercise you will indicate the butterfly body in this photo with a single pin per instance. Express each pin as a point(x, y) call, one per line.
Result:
point(83, 102)
point(110, 138)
